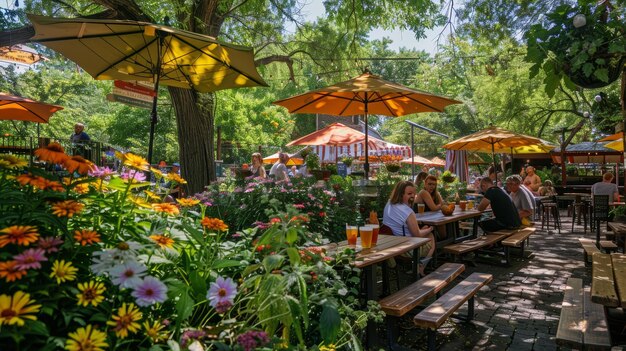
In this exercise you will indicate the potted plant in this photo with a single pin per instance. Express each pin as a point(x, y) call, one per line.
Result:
point(347, 160)
point(619, 214)
point(392, 167)
point(448, 177)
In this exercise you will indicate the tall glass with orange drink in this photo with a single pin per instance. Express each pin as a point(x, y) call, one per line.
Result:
point(375, 230)
point(351, 234)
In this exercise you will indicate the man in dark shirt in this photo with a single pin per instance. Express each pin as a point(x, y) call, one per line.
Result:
point(506, 215)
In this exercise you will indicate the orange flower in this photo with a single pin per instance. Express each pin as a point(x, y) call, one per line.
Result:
point(188, 202)
point(66, 208)
point(136, 162)
point(78, 164)
point(53, 185)
point(163, 241)
point(53, 153)
point(86, 237)
point(10, 272)
point(166, 207)
point(18, 234)
point(82, 188)
point(214, 224)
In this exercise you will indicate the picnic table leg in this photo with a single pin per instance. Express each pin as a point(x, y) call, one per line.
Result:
point(416, 259)
point(370, 294)
point(386, 288)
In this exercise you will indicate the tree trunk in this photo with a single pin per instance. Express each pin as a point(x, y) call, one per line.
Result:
point(194, 119)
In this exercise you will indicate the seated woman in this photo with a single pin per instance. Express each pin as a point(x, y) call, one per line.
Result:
point(257, 166)
point(419, 180)
point(547, 189)
point(400, 218)
point(430, 197)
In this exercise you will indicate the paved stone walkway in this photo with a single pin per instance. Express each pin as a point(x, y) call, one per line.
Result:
point(520, 308)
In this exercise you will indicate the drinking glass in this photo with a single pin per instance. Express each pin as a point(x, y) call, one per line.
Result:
point(351, 234)
point(470, 205)
point(366, 236)
point(463, 205)
point(421, 208)
point(375, 230)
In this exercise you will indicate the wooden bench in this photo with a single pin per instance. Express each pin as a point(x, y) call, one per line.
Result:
point(433, 316)
point(403, 301)
point(603, 281)
point(589, 247)
point(583, 324)
point(517, 240)
point(608, 246)
point(491, 238)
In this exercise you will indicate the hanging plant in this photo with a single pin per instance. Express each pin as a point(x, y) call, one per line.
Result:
point(584, 45)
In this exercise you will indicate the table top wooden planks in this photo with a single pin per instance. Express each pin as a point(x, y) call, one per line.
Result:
point(437, 218)
point(602, 281)
point(619, 274)
point(388, 246)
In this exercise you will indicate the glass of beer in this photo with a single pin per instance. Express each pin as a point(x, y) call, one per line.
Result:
point(470, 205)
point(463, 205)
point(351, 234)
point(421, 208)
point(366, 236)
point(375, 230)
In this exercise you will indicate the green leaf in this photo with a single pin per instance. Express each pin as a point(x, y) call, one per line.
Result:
point(292, 235)
point(602, 74)
point(330, 323)
point(219, 264)
point(198, 283)
point(588, 69)
point(294, 256)
point(36, 328)
point(552, 82)
point(273, 262)
point(184, 306)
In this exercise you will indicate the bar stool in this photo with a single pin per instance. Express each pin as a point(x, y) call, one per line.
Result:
point(550, 209)
point(581, 208)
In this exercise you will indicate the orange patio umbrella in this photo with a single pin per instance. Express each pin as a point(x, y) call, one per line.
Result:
point(418, 160)
point(336, 134)
point(363, 95)
point(613, 137)
point(293, 160)
point(16, 108)
point(438, 162)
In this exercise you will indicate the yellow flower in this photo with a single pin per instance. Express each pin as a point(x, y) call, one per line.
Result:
point(154, 331)
point(63, 271)
point(66, 208)
point(139, 201)
point(330, 347)
point(166, 207)
point(152, 196)
point(163, 241)
point(53, 153)
point(214, 224)
point(18, 234)
point(14, 309)
point(78, 164)
point(12, 162)
point(136, 162)
point(126, 320)
point(86, 237)
point(90, 293)
point(176, 178)
point(188, 202)
point(86, 339)
point(82, 188)
point(157, 173)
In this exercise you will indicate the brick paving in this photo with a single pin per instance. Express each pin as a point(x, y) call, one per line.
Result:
point(520, 308)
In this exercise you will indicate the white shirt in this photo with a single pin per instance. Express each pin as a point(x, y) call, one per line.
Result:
point(395, 216)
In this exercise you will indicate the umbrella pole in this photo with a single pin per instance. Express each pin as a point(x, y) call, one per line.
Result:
point(495, 169)
point(153, 114)
point(367, 162)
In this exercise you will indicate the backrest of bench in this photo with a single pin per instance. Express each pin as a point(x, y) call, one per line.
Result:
point(415, 294)
point(436, 313)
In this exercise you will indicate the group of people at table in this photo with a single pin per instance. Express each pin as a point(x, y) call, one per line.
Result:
point(512, 206)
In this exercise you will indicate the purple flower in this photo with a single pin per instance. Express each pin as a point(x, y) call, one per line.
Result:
point(208, 203)
point(100, 172)
point(30, 259)
point(150, 291)
point(298, 206)
point(133, 175)
point(49, 244)
point(252, 339)
point(191, 335)
point(128, 275)
point(222, 290)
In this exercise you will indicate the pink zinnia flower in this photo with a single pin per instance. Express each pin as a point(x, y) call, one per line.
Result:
point(30, 259)
point(150, 291)
point(128, 275)
point(133, 175)
point(222, 292)
point(49, 244)
point(100, 172)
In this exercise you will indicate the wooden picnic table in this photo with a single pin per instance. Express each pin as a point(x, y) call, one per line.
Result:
point(388, 246)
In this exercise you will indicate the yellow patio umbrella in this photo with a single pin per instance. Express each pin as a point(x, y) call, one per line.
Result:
point(293, 160)
point(131, 50)
point(615, 145)
point(493, 139)
point(364, 95)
